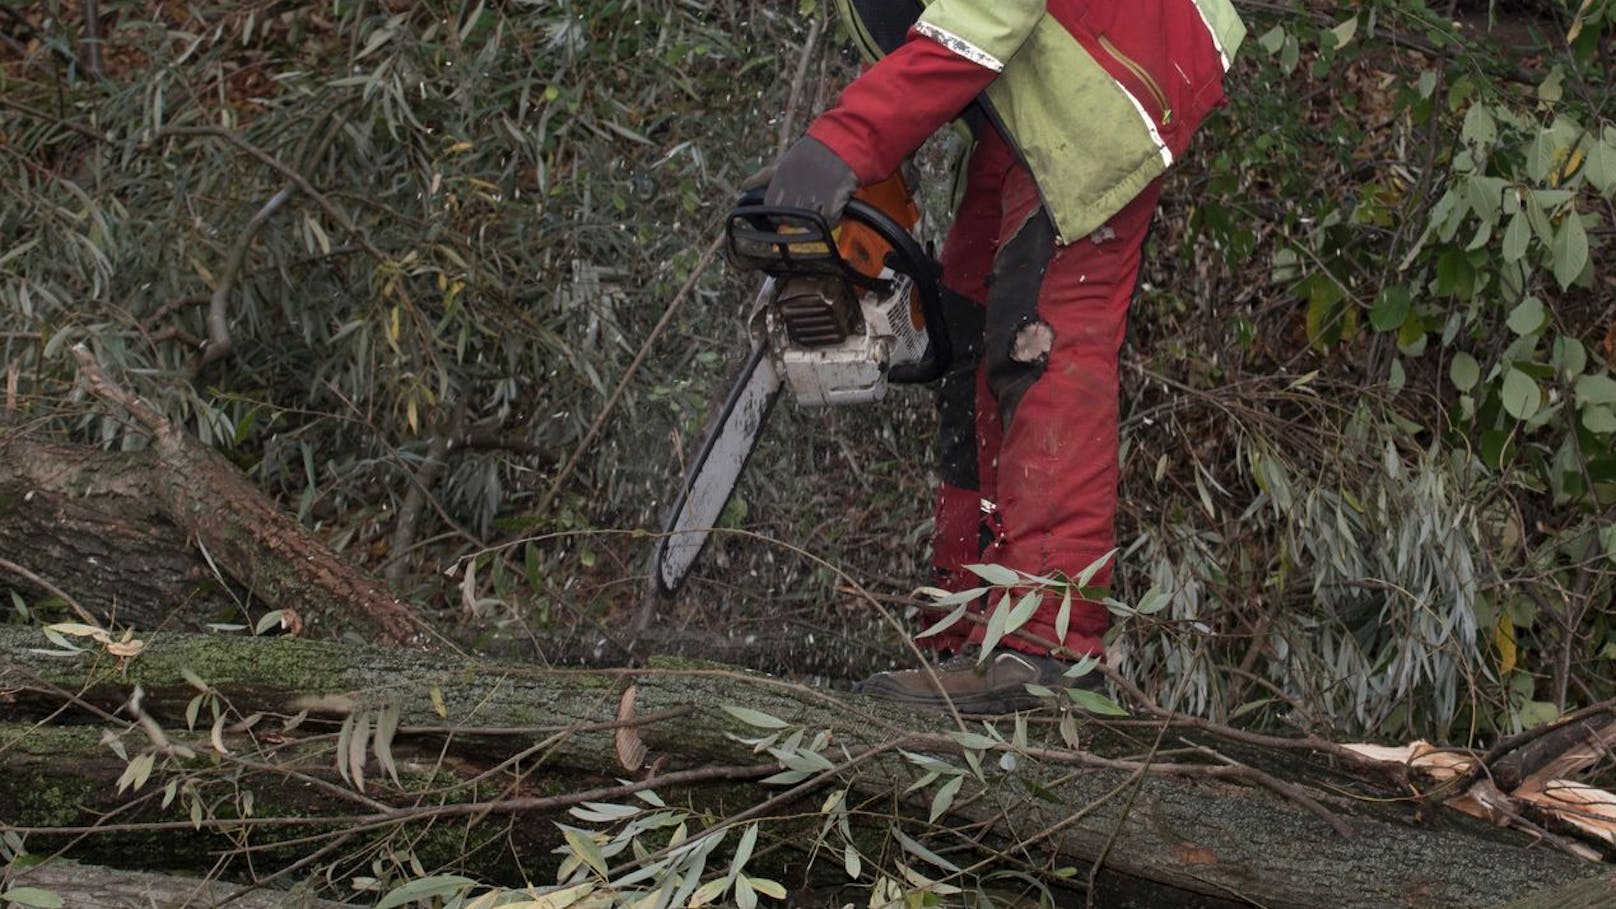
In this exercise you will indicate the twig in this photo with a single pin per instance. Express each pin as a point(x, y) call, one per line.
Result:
point(422, 482)
point(52, 589)
point(92, 37)
point(219, 343)
point(1134, 784)
point(108, 390)
point(794, 97)
point(1282, 788)
point(565, 473)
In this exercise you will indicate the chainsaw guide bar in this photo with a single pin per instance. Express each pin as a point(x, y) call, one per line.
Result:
point(844, 309)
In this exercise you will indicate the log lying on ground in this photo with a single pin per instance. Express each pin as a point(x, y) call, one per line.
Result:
point(90, 887)
point(1203, 836)
point(250, 539)
point(87, 522)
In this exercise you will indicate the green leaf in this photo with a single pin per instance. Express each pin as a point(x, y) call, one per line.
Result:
point(1343, 33)
point(1595, 388)
point(995, 630)
point(1391, 308)
point(1479, 127)
point(1528, 316)
point(946, 621)
point(771, 889)
point(32, 897)
point(1520, 395)
point(1516, 237)
point(944, 798)
point(997, 575)
point(1569, 357)
point(1153, 601)
point(1570, 250)
point(1599, 418)
point(1600, 168)
point(755, 717)
point(1464, 371)
point(743, 850)
point(1093, 568)
point(585, 847)
point(1023, 611)
point(1095, 702)
point(1063, 616)
point(439, 886)
point(1273, 39)
point(1426, 84)
point(972, 741)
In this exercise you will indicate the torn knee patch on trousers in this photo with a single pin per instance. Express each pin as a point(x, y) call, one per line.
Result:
point(1032, 343)
point(1018, 341)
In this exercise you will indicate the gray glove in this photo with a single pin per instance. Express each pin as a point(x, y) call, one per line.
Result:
point(809, 175)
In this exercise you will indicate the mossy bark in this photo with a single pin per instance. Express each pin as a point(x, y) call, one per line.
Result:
point(1165, 839)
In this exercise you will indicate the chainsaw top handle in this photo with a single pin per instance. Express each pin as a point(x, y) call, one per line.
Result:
point(793, 242)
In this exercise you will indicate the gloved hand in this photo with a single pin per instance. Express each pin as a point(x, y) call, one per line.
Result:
point(809, 175)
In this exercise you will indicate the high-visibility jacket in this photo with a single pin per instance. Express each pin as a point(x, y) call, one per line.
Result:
point(1098, 97)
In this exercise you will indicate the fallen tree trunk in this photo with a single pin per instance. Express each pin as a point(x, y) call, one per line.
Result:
point(207, 499)
point(90, 887)
point(87, 522)
point(1168, 826)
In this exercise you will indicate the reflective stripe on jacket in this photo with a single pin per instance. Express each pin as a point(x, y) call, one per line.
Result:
point(1098, 97)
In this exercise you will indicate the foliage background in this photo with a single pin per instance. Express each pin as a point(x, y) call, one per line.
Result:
point(1368, 405)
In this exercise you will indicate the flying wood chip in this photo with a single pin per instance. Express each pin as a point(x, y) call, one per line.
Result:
point(630, 749)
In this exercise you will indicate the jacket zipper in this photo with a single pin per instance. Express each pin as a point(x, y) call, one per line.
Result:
point(1143, 75)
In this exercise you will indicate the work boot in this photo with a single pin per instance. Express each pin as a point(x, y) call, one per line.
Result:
point(998, 685)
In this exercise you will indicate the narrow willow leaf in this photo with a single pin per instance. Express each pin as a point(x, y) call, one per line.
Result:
point(743, 850)
point(1095, 702)
point(995, 630)
point(946, 622)
point(216, 737)
point(586, 849)
point(1063, 616)
point(944, 798)
point(997, 575)
point(271, 619)
point(1085, 576)
point(771, 889)
point(1023, 611)
point(755, 717)
point(436, 887)
point(32, 898)
point(386, 728)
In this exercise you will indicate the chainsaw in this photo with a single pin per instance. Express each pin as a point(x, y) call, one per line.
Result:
point(842, 311)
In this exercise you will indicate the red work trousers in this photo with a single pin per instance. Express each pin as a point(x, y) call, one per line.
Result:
point(1028, 441)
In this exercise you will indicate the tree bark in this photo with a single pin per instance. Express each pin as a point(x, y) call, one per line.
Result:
point(87, 521)
point(246, 535)
point(91, 887)
point(1194, 837)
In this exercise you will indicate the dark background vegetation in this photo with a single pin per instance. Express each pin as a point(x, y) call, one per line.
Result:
point(394, 260)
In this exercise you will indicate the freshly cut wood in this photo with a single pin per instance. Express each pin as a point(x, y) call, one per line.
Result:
point(1170, 818)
